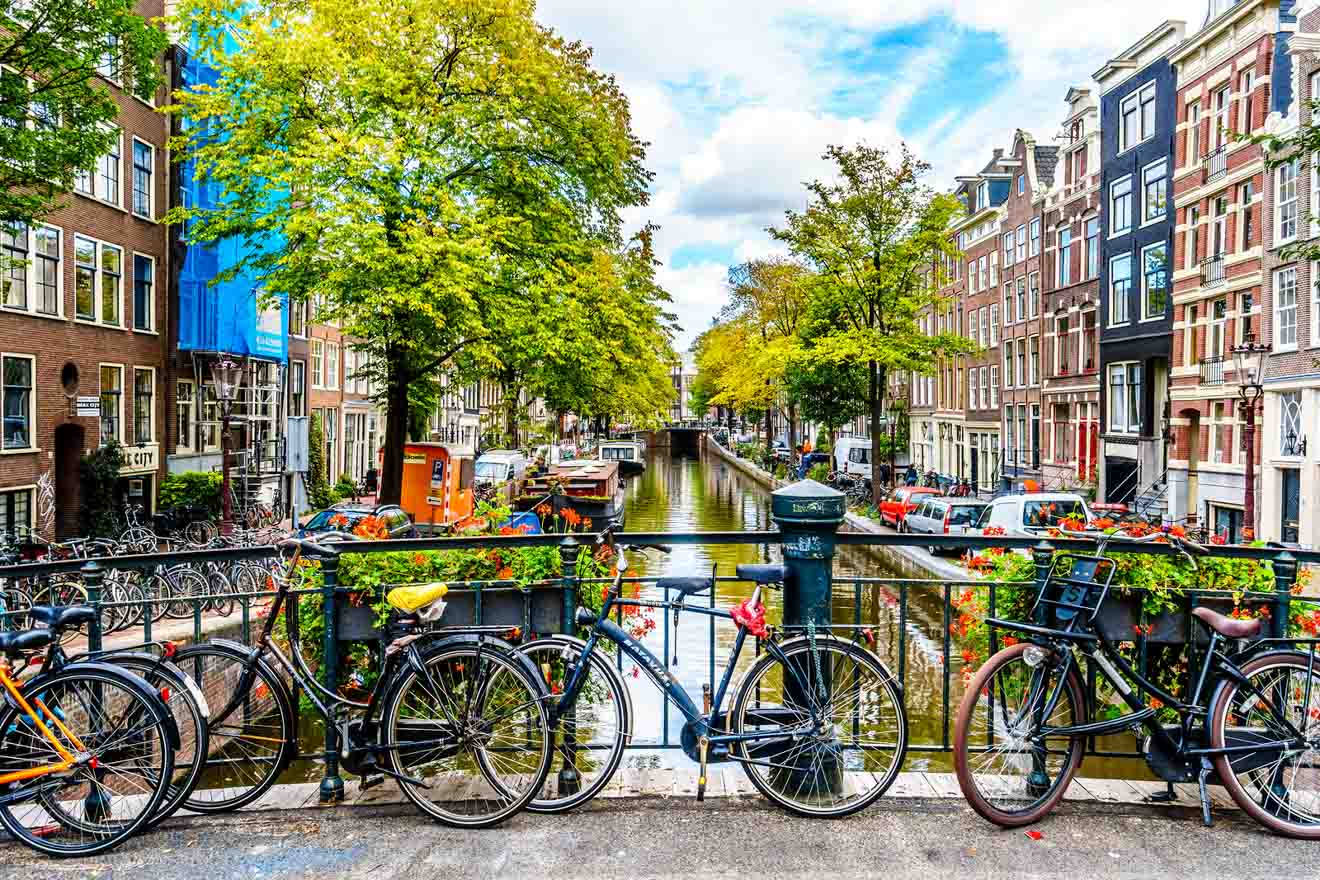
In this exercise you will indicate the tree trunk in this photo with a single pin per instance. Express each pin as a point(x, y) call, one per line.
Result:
point(396, 435)
point(875, 402)
point(792, 428)
point(769, 429)
point(834, 438)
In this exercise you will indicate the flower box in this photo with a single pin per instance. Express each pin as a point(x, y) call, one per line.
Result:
point(537, 609)
point(1120, 617)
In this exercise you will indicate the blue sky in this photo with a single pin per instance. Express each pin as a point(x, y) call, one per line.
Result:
point(739, 98)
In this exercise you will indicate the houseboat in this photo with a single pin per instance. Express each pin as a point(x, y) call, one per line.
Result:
point(630, 454)
point(591, 487)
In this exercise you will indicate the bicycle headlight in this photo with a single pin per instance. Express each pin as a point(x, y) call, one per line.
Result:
point(1035, 655)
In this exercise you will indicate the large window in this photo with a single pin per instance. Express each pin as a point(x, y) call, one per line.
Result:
point(318, 363)
point(1092, 247)
point(1033, 294)
point(1033, 376)
point(1285, 202)
point(1120, 287)
point(1125, 398)
point(112, 403)
point(297, 388)
point(1246, 195)
point(1035, 236)
point(18, 403)
point(331, 365)
point(994, 325)
point(1022, 242)
point(1120, 206)
point(185, 403)
point(1009, 248)
point(1285, 309)
point(144, 162)
point(1065, 257)
point(16, 511)
point(1154, 191)
point(986, 403)
point(1193, 134)
point(1315, 303)
point(1154, 281)
point(98, 280)
point(1136, 117)
point(84, 278)
point(107, 177)
point(14, 265)
point(48, 273)
point(994, 387)
point(1290, 423)
point(144, 292)
point(144, 410)
point(111, 280)
point(1062, 416)
point(1021, 299)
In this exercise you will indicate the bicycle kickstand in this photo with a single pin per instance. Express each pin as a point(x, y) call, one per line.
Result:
point(1167, 796)
point(1206, 769)
point(702, 745)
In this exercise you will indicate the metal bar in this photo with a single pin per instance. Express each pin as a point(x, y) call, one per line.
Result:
point(332, 784)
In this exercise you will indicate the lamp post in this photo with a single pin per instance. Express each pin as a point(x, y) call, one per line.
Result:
point(225, 374)
point(895, 409)
point(1249, 360)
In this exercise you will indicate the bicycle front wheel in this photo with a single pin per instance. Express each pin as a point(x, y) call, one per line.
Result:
point(1008, 771)
point(96, 804)
point(471, 725)
point(1278, 786)
point(829, 726)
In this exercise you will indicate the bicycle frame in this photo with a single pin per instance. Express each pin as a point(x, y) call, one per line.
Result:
point(67, 761)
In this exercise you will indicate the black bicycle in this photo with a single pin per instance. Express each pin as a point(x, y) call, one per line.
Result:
point(457, 719)
point(1251, 723)
point(817, 722)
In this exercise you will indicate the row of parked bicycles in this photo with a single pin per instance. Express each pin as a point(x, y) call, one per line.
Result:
point(475, 728)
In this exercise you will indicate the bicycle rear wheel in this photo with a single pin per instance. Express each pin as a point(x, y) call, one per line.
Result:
point(93, 806)
point(1008, 773)
point(1278, 787)
point(831, 723)
point(473, 727)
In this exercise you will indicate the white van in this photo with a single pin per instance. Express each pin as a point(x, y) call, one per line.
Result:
point(852, 456)
point(500, 466)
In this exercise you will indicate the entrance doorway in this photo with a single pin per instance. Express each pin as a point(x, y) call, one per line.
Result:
point(1289, 503)
point(69, 439)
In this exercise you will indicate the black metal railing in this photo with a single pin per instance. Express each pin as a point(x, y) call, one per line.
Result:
point(1212, 271)
point(1215, 164)
point(1212, 370)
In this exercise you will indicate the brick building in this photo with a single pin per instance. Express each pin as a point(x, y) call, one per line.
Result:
point(1070, 391)
point(81, 325)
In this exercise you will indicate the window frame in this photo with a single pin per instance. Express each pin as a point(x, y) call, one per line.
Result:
point(150, 310)
point(101, 394)
point(1035, 236)
point(33, 260)
point(1146, 314)
point(98, 283)
point(332, 365)
point(31, 446)
point(1281, 204)
point(1279, 309)
point(1113, 196)
point(1162, 164)
point(1136, 102)
point(317, 358)
point(1114, 319)
point(1128, 399)
point(1063, 258)
point(184, 441)
point(151, 406)
point(99, 174)
point(1021, 235)
point(150, 214)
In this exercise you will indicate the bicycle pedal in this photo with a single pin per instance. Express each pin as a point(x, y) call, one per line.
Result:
point(371, 781)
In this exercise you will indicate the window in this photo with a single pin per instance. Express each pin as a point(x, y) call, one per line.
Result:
point(985, 325)
point(1125, 398)
point(1315, 188)
point(1246, 194)
point(982, 195)
point(144, 413)
point(1154, 281)
point(1136, 117)
point(1009, 248)
point(144, 292)
point(972, 402)
point(1285, 308)
point(144, 164)
point(112, 404)
point(107, 179)
point(1219, 127)
point(98, 280)
point(1021, 376)
point(331, 365)
point(983, 268)
point(1022, 184)
point(1315, 305)
point(985, 387)
point(84, 281)
point(1008, 304)
point(16, 510)
point(1191, 314)
point(994, 268)
point(1290, 423)
point(111, 279)
point(1193, 237)
point(1062, 417)
point(1219, 226)
point(1035, 237)
point(297, 388)
point(185, 403)
point(331, 431)
point(1092, 247)
point(1120, 284)
point(18, 403)
point(108, 64)
point(1065, 257)
point(1217, 344)
point(298, 318)
point(1221, 434)
point(971, 276)
point(1285, 203)
point(973, 327)
point(994, 387)
point(318, 363)
point(1022, 242)
point(1033, 294)
point(994, 325)
point(1033, 377)
point(1244, 316)
point(1246, 82)
point(1120, 206)
point(49, 276)
point(1193, 135)
point(14, 265)
point(1154, 191)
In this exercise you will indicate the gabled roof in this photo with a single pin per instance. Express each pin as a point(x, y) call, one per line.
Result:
point(1047, 159)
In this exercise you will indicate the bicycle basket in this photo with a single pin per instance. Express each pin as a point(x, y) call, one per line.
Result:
point(1076, 583)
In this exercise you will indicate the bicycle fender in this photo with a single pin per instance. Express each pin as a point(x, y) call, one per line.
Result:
point(489, 641)
point(158, 709)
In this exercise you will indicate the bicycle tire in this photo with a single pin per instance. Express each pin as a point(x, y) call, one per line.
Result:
point(608, 693)
point(522, 700)
point(1271, 806)
point(42, 822)
point(850, 784)
point(247, 752)
point(1042, 802)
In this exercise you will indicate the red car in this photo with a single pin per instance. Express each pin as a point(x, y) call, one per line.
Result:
point(904, 500)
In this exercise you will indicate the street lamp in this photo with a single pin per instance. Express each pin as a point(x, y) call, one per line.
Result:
point(225, 375)
point(1249, 360)
point(895, 410)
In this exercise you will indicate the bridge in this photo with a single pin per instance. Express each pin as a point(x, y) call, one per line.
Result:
point(680, 438)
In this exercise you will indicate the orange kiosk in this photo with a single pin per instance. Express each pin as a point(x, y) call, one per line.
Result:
point(437, 484)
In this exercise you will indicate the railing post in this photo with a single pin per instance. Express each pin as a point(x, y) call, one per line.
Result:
point(332, 784)
point(1042, 555)
point(92, 575)
point(1285, 576)
point(808, 516)
point(569, 781)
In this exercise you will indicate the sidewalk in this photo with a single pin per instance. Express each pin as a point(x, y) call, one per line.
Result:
point(921, 838)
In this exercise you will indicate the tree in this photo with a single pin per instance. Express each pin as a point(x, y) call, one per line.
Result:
point(55, 114)
point(875, 235)
point(832, 393)
point(418, 166)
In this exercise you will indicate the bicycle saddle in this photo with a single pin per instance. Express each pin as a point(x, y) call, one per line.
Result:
point(686, 586)
point(62, 616)
point(423, 600)
point(772, 573)
point(14, 643)
point(1228, 627)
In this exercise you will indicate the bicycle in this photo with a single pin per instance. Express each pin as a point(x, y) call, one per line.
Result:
point(1249, 724)
point(817, 722)
point(86, 749)
point(458, 720)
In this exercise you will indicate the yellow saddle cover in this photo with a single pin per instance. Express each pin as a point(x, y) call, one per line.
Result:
point(410, 599)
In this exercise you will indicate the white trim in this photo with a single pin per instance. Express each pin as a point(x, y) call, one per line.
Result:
point(151, 305)
point(32, 401)
point(155, 390)
point(1137, 96)
point(1277, 322)
point(181, 443)
point(1145, 292)
point(132, 182)
point(1132, 203)
point(119, 417)
point(98, 318)
point(1279, 236)
point(30, 269)
point(1168, 192)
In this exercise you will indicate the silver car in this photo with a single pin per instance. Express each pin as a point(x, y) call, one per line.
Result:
point(944, 516)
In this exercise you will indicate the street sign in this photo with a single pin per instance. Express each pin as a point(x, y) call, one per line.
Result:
point(88, 406)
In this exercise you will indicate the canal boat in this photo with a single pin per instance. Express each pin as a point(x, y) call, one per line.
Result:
point(630, 454)
point(591, 487)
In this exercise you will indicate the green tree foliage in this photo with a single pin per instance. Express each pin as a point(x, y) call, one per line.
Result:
point(200, 488)
point(873, 234)
point(55, 114)
point(428, 169)
point(319, 493)
point(99, 475)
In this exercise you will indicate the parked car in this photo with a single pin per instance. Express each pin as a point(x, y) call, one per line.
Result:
point(904, 500)
point(500, 466)
point(1026, 516)
point(341, 519)
point(944, 516)
point(852, 456)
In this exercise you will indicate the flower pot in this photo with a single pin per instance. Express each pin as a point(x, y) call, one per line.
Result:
point(537, 610)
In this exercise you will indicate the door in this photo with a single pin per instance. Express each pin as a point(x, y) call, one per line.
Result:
point(68, 481)
point(1291, 491)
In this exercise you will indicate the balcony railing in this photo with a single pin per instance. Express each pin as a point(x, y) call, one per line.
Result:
point(1215, 165)
point(1212, 271)
point(1212, 370)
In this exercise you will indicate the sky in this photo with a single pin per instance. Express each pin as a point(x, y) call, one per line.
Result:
point(739, 98)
